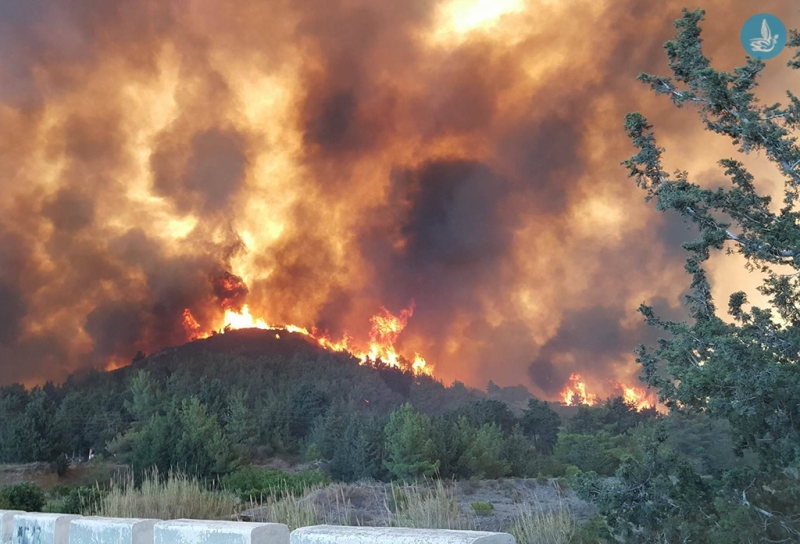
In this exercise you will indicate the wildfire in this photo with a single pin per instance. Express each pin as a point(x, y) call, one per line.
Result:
point(386, 327)
point(576, 393)
point(636, 397)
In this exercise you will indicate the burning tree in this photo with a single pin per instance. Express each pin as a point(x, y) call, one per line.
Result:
point(743, 368)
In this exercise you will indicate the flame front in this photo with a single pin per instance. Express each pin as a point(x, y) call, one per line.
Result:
point(386, 327)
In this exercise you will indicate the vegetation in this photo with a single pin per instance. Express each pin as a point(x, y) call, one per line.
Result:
point(428, 505)
point(482, 508)
point(741, 369)
point(173, 497)
point(251, 484)
point(25, 496)
point(541, 526)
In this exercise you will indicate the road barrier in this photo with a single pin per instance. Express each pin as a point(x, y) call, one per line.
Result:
point(25, 528)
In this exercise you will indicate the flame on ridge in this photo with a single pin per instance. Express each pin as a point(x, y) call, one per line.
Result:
point(386, 327)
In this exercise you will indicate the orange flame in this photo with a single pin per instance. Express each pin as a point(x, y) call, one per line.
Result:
point(636, 397)
point(386, 327)
point(576, 393)
point(190, 325)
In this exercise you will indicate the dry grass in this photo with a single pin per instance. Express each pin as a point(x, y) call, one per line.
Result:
point(543, 526)
point(431, 505)
point(286, 508)
point(176, 496)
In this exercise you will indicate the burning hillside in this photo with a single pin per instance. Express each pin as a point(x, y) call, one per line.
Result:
point(174, 168)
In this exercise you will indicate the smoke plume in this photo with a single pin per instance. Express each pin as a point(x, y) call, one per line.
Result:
point(319, 160)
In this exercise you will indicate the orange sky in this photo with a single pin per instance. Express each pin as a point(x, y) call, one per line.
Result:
point(340, 156)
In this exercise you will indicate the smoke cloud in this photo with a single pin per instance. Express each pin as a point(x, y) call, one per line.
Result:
point(319, 160)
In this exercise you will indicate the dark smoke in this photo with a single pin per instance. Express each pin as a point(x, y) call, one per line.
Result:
point(318, 160)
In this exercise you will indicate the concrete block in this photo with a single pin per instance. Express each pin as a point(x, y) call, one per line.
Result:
point(330, 534)
point(189, 531)
point(42, 528)
point(97, 530)
point(7, 525)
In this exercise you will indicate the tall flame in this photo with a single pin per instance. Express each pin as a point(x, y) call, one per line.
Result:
point(576, 393)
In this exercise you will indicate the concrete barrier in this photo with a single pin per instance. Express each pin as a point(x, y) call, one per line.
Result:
point(188, 531)
point(7, 525)
point(67, 529)
point(97, 530)
point(331, 534)
point(42, 528)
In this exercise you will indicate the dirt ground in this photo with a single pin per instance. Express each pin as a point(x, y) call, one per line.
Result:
point(369, 503)
point(43, 476)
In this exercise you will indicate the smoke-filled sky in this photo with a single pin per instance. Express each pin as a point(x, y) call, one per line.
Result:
point(340, 156)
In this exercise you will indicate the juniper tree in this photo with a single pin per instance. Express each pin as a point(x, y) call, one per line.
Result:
point(742, 367)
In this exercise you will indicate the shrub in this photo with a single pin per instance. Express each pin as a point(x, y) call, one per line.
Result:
point(537, 526)
point(286, 508)
point(251, 483)
point(177, 496)
point(84, 500)
point(482, 508)
point(26, 496)
point(432, 506)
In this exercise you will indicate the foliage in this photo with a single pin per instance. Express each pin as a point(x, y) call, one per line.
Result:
point(411, 452)
point(482, 508)
point(173, 497)
point(600, 453)
point(428, 505)
point(615, 417)
point(541, 423)
point(186, 436)
point(286, 508)
point(538, 526)
point(251, 483)
point(25, 496)
point(81, 500)
point(742, 369)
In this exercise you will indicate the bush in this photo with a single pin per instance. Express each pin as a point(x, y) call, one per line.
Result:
point(600, 453)
point(177, 496)
point(84, 500)
point(537, 526)
point(482, 508)
point(432, 506)
point(26, 496)
point(61, 465)
point(251, 483)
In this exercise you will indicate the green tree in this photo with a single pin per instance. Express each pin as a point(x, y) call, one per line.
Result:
point(411, 452)
point(742, 369)
point(484, 411)
point(484, 455)
point(202, 446)
point(541, 423)
point(240, 423)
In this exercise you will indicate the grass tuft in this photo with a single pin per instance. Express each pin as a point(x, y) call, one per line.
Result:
point(430, 505)
point(543, 526)
point(176, 496)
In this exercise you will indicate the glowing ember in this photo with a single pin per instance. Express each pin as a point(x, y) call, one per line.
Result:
point(386, 327)
point(575, 393)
